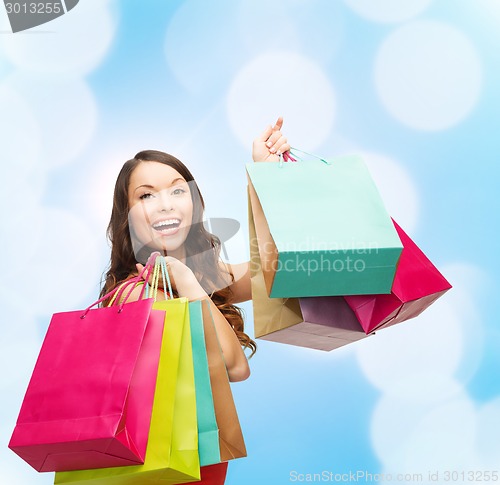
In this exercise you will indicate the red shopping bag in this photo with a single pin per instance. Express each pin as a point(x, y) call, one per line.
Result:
point(417, 284)
point(89, 400)
point(212, 475)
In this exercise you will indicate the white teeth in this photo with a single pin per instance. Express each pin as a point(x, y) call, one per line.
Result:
point(170, 222)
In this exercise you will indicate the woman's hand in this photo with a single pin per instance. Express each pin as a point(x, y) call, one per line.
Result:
point(270, 144)
point(186, 284)
point(182, 279)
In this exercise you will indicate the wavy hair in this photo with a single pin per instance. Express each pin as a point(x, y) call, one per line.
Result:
point(202, 248)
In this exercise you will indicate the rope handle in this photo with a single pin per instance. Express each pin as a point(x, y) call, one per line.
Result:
point(153, 272)
point(117, 293)
point(289, 156)
point(160, 268)
point(161, 265)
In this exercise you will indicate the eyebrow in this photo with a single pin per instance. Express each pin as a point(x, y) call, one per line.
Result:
point(147, 186)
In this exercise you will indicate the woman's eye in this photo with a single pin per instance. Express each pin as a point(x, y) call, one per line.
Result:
point(147, 195)
point(178, 192)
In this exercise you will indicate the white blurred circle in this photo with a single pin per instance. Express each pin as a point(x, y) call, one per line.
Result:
point(282, 83)
point(21, 229)
point(412, 350)
point(399, 423)
point(20, 337)
point(72, 44)
point(444, 437)
point(388, 11)
point(397, 189)
point(66, 260)
point(66, 112)
point(488, 432)
point(98, 193)
point(428, 75)
point(470, 283)
point(20, 136)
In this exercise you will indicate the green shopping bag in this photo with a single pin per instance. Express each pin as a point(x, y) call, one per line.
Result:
point(172, 451)
point(208, 431)
point(322, 228)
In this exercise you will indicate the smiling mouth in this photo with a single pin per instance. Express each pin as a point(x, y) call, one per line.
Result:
point(167, 227)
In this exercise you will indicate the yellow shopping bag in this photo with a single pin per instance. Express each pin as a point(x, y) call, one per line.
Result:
point(172, 451)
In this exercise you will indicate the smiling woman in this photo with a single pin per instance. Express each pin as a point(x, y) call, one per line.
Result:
point(157, 206)
point(161, 206)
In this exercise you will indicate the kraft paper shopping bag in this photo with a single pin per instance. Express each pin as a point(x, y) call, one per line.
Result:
point(323, 323)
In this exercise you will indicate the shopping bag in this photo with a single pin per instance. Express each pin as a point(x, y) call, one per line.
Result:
point(172, 451)
point(89, 400)
point(231, 442)
point(323, 323)
point(418, 283)
point(322, 228)
point(328, 323)
point(208, 431)
point(206, 349)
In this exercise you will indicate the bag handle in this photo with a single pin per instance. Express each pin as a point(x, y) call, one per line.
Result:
point(155, 264)
point(161, 265)
point(144, 275)
point(117, 293)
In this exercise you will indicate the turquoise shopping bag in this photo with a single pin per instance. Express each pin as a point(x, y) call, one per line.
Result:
point(208, 431)
point(322, 228)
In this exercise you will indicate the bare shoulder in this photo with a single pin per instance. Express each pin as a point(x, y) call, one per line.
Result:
point(130, 291)
point(237, 277)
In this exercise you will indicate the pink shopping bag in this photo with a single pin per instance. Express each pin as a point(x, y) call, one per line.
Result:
point(89, 400)
point(417, 284)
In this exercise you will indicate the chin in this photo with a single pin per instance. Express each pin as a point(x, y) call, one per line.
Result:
point(143, 251)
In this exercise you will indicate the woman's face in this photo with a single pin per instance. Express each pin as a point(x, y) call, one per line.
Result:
point(160, 208)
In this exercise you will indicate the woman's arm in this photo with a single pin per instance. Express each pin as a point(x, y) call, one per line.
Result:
point(238, 280)
point(266, 148)
point(185, 283)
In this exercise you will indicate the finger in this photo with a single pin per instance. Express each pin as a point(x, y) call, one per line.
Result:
point(278, 125)
point(273, 139)
point(170, 262)
point(266, 134)
point(282, 147)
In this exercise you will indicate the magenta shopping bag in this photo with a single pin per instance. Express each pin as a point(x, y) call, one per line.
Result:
point(89, 400)
point(417, 284)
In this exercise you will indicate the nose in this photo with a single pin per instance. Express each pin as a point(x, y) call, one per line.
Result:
point(166, 201)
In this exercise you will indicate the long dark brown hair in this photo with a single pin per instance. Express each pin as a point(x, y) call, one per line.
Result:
point(202, 248)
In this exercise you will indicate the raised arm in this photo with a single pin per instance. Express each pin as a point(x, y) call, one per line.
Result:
point(266, 148)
